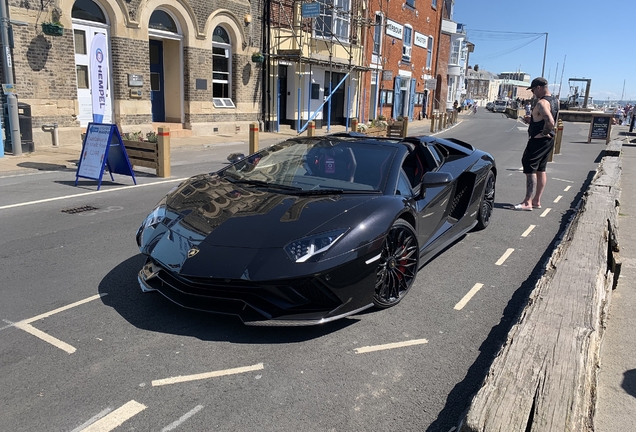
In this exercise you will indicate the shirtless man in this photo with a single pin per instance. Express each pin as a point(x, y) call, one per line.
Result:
point(540, 143)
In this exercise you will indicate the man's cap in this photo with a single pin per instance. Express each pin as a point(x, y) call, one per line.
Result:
point(538, 82)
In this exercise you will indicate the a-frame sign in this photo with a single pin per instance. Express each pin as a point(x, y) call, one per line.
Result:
point(103, 147)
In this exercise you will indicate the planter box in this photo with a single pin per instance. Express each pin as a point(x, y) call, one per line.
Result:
point(375, 131)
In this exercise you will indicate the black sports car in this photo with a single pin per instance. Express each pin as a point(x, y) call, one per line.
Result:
point(314, 229)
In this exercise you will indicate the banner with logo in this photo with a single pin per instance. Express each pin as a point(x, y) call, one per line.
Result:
point(99, 75)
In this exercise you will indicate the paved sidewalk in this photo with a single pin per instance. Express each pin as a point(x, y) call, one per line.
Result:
point(616, 392)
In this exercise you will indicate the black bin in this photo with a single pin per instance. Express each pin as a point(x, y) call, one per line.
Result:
point(26, 128)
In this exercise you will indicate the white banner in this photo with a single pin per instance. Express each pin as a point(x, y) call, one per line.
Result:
point(99, 76)
point(394, 29)
point(421, 40)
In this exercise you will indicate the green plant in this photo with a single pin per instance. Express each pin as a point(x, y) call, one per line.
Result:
point(258, 57)
point(133, 136)
point(381, 117)
point(151, 137)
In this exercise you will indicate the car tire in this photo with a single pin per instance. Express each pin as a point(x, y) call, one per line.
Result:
point(398, 265)
point(487, 203)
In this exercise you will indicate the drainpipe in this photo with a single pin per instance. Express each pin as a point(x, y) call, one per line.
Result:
point(53, 129)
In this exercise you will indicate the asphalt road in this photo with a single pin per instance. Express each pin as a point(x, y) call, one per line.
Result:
point(82, 348)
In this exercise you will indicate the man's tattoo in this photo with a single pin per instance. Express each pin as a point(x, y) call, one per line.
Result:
point(531, 185)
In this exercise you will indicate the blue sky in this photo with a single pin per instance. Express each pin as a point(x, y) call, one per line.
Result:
point(596, 38)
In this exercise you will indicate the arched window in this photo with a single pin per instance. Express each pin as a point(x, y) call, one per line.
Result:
point(87, 10)
point(221, 69)
point(160, 20)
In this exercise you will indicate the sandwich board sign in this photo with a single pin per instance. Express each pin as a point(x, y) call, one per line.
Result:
point(600, 127)
point(103, 147)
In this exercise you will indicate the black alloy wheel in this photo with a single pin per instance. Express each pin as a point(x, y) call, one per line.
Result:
point(398, 265)
point(487, 202)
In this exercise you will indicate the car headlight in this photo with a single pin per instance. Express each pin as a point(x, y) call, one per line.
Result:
point(303, 249)
point(156, 216)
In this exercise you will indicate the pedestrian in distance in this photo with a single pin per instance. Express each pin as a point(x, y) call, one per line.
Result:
point(541, 135)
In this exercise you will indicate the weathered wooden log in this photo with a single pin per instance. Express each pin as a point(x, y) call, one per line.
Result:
point(544, 377)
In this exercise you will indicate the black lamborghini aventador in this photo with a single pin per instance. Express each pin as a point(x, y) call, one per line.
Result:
point(314, 229)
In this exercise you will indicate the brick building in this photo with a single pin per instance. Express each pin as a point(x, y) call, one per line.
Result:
point(183, 63)
point(406, 53)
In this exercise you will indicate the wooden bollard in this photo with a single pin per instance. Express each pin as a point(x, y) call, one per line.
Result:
point(432, 122)
point(253, 138)
point(439, 122)
point(445, 120)
point(405, 127)
point(163, 151)
point(354, 125)
point(311, 129)
point(559, 137)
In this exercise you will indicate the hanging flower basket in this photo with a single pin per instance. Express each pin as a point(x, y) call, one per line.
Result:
point(53, 29)
point(258, 57)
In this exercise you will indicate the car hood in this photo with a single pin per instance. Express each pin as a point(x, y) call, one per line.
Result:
point(209, 209)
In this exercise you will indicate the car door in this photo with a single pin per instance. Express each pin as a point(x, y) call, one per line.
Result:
point(430, 202)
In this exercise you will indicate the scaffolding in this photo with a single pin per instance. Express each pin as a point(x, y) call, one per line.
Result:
point(308, 34)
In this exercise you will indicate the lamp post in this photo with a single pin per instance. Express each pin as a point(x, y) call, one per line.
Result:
point(545, 50)
point(7, 69)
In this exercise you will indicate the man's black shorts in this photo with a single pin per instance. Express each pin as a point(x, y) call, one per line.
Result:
point(535, 158)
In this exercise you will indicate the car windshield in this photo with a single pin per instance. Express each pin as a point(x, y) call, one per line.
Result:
point(318, 164)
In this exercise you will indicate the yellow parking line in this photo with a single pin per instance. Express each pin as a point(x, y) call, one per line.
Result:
point(116, 418)
point(528, 231)
point(368, 349)
point(505, 256)
point(206, 375)
point(468, 296)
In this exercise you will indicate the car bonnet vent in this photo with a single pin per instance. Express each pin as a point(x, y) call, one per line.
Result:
point(82, 209)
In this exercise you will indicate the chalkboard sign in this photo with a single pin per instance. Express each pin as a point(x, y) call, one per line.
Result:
point(600, 127)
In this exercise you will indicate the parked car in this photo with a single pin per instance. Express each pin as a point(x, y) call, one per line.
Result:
point(500, 106)
point(311, 230)
point(490, 106)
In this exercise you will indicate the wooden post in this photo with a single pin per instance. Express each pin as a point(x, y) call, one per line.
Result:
point(559, 137)
point(163, 151)
point(253, 138)
point(311, 129)
point(432, 122)
point(439, 122)
point(354, 125)
point(405, 127)
point(445, 119)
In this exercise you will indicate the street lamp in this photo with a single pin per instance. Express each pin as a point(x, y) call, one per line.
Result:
point(7, 69)
point(545, 50)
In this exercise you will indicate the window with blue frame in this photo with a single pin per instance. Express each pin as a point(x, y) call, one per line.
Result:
point(407, 44)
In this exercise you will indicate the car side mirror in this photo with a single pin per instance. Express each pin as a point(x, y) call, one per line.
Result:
point(235, 157)
point(434, 179)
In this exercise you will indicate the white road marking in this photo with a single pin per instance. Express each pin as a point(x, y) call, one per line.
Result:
point(46, 337)
point(117, 417)
point(468, 296)
point(545, 212)
point(567, 189)
point(183, 418)
point(28, 203)
point(63, 308)
point(27, 327)
point(372, 348)
point(504, 257)
point(557, 199)
point(563, 180)
point(528, 231)
point(92, 420)
point(206, 375)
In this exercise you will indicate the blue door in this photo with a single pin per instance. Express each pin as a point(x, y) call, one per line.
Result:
point(157, 98)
